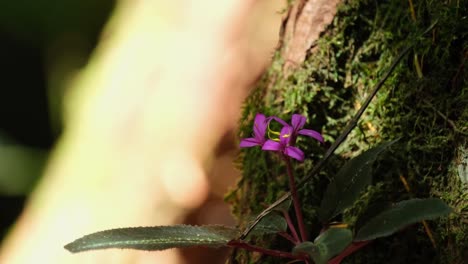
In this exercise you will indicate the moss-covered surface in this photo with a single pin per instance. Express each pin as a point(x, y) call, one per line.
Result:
point(423, 103)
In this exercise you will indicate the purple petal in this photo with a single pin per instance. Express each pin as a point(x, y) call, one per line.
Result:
point(272, 145)
point(294, 153)
point(279, 120)
point(298, 121)
point(259, 118)
point(311, 133)
point(285, 135)
point(249, 142)
point(260, 126)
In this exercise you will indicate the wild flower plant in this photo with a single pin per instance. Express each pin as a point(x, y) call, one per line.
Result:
point(331, 245)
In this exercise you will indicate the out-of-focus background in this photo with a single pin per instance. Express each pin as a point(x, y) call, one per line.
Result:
point(43, 45)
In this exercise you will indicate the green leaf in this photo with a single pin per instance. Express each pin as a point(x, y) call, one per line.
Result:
point(270, 224)
point(156, 238)
point(283, 206)
point(349, 182)
point(374, 208)
point(305, 247)
point(400, 215)
point(327, 245)
point(329, 202)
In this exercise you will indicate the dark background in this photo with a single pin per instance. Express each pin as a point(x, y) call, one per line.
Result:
point(41, 41)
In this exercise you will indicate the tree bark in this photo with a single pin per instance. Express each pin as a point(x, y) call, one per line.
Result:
point(423, 103)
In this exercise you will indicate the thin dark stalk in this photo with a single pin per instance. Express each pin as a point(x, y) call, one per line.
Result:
point(295, 199)
point(270, 252)
point(355, 119)
point(291, 226)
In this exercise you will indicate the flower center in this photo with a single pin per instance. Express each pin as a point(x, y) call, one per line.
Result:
point(273, 135)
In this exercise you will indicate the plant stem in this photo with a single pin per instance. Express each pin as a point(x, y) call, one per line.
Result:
point(295, 199)
point(348, 251)
point(289, 237)
point(270, 252)
point(291, 227)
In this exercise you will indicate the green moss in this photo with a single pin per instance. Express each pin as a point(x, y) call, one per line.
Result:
point(428, 112)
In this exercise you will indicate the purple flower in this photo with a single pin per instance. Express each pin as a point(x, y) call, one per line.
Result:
point(287, 137)
point(297, 123)
point(260, 126)
point(284, 145)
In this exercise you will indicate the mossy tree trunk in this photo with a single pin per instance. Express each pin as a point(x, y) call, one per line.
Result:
point(423, 103)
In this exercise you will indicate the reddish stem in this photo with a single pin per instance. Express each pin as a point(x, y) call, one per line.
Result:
point(348, 251)
point(295, 198)
point(270, 252)
point(288, 237)
point(291, 227)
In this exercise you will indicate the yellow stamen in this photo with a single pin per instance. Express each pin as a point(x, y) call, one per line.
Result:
point(272, 132)
point(274, 138)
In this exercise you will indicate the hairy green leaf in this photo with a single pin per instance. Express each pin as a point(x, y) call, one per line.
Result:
point(349, 182)
point(329, 202)
point(400, 215)
point(374, 208)
point(156, 238)
point(327, 245)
